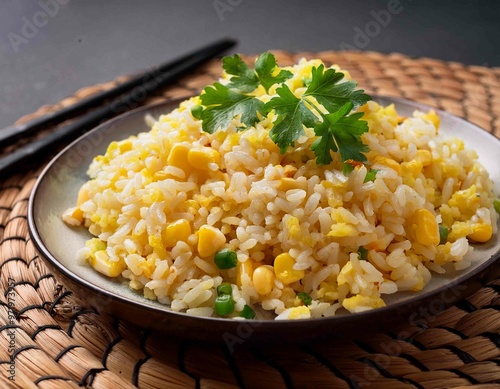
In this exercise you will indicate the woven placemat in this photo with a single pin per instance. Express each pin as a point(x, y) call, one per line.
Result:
point(51, 338)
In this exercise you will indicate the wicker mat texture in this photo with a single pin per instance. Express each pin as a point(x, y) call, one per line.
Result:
point(58, 341)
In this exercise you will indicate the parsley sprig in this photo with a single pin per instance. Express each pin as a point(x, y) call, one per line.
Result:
point(326, 106)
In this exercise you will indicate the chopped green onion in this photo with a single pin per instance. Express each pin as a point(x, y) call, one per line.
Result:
point(226, 259)
point(196, 111)
point(224, 305)
point(224, 288)
point(370, 175)
point(305, 297)
point(247, 312)
point(363, 253)
point(496, 205)
point(443, 234)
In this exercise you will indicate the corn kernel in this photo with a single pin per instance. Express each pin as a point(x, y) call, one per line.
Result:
point(283, 268)
point(103, 265)
point(425, 157)
point(243, 268)
point(200, 158)
point(389, 162)
point(178, 157)
point(481, 232)
point(287, 183)
point(125, 145)
point(263, 279)
point(424, 227)
point(177, 231)
point(411, 168)
point(210, 240)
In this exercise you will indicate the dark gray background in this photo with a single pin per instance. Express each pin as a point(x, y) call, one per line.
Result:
point(87, 42)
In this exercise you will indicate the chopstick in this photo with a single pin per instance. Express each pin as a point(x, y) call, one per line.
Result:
point(11, 134)
point(150, 82)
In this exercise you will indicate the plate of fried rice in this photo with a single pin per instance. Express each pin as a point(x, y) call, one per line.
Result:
point(171, 227)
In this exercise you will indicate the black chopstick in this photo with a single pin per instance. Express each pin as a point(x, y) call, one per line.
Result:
point(11, 134)
point(151, 82)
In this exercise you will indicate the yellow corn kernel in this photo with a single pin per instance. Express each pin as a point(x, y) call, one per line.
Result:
point(411, 168)
point(433, 118)
point(125, 145)
point(243, 268)
point(178, 157)
point(481, 232)
point(177, 231)
point(263, 279)
point(210, 240)
point(103, 265)
point(73, 216)
point(287, 183)
point(200, 158)
point(389, 162)
point(283, 268)
point(424, 227)
point(425, 157)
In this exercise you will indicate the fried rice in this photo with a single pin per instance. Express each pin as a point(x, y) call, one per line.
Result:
point(161, 204)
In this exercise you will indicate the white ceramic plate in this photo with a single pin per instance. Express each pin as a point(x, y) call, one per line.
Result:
point(57, 188)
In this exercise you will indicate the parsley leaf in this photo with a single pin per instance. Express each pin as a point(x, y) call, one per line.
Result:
point(246, 80)
point(370, 175)
point(243, 78)
point(292, 113)
point(325, 106)
point(327, 90)
point(305, 297)
point(222, 105)
point(363, 253)
point(265, 67)
point(339, 132)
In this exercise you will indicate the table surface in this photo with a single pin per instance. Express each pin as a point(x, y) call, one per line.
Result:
point(51, 48)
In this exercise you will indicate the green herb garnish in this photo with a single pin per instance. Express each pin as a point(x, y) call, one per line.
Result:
point(247, 312)
point(496, 205)
point(225, 259)
point(325, 106)
point(224, 288)
point(224, 305)
point(370, 175)
point(443, 234)
point(305, 297)
point(363, 253)
point(247, 80)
